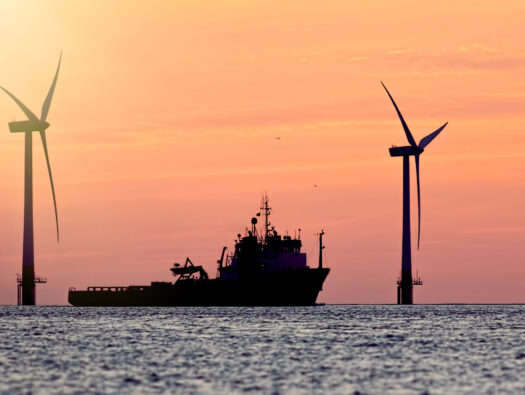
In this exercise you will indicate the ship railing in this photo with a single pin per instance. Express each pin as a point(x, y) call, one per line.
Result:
point(107, 289)
point(37, 280)
point(415, 281)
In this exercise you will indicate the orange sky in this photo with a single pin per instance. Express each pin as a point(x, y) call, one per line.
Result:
point(163, 129)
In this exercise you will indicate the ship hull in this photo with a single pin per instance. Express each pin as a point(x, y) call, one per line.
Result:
point(284, 288)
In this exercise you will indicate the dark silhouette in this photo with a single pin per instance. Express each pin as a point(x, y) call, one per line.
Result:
point(265, 269)
point(188, 270)
point(321, 248)
point(405, 284)
point(33, 124)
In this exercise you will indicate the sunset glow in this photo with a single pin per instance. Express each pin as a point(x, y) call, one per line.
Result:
point(163, 139)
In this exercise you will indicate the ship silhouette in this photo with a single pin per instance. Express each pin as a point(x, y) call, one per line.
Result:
point(265, 269)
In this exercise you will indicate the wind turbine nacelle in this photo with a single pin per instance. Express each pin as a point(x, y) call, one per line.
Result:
point(27, 126)
point(405, 151)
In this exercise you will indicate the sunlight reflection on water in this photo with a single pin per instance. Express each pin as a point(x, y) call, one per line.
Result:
point(324, 349)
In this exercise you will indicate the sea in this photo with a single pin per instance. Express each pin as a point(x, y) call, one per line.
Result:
point(331, 349)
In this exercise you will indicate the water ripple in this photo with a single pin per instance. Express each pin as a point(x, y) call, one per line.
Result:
point(298, 350)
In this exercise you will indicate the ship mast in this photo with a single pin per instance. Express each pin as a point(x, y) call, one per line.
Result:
point(266, 209)
point(321, 248)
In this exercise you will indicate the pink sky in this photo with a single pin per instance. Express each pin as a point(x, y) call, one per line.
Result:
point(163, 129)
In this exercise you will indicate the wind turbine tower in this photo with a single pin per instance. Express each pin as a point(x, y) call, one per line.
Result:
point(406, 282)
point(32, 124)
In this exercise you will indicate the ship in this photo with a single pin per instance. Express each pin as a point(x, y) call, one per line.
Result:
point(264, 269)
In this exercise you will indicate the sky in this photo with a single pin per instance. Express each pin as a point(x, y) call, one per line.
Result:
point(163, 139)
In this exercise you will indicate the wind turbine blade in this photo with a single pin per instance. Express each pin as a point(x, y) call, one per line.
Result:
point(418, 202)
point(47, 102)
point(44, 143)
point(405, 126)
point(426, 140)
point(26, 110)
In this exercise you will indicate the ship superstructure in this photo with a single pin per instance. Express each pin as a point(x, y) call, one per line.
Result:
point(257, 254)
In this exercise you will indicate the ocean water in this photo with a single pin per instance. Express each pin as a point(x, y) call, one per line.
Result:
point(341, 349)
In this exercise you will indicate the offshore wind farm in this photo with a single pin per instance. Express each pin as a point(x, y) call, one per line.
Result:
point(147, 143)
point(230, 220)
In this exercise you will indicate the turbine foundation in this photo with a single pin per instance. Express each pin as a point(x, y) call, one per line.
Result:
point(405, 291)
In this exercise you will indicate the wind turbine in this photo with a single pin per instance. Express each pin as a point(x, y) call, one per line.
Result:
point(32, 124)
point(404, 289)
